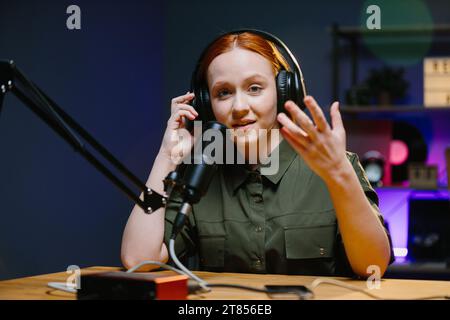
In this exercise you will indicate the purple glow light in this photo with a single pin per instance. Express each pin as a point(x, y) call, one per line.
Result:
point(394, 206)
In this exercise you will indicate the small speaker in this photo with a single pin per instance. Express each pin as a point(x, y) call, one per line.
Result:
point(429, 228)
point(422, 176)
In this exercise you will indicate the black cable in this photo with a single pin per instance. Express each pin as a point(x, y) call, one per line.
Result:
point(237, 286)
point(280, 292)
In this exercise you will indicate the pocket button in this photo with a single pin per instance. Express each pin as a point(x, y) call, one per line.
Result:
point(258, 199)
point(322, 251)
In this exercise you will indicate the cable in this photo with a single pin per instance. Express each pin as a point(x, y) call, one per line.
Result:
point(70, 287)
point(192, 288)
point(150, 262)
point(201, 282)
point(271, 293)
point(66, 287)
point(237, 286)
point(202, 285)
point(342, 284)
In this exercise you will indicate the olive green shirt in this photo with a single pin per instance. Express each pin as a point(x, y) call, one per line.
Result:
point(250, 223)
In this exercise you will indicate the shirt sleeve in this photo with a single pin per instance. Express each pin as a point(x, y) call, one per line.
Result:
point(186, 241)
point(371, 195)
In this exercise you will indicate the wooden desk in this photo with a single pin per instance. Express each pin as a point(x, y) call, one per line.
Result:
point(35, 288)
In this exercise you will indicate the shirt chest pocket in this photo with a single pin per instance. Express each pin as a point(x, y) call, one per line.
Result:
point(212, 246)
point(310, 242)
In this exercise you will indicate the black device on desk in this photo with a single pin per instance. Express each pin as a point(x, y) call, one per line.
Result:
point(429, 227)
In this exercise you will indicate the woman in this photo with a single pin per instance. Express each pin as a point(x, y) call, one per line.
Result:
point(316, 215)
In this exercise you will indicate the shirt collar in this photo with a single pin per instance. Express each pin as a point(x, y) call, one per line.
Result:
point(235, 175)
point(286, 155)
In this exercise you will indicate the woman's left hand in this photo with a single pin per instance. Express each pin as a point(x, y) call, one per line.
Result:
point(322, 147)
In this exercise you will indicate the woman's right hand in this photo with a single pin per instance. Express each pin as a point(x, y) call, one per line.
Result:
point(177, 141)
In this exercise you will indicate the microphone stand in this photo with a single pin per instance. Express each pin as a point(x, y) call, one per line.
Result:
point(14, 81)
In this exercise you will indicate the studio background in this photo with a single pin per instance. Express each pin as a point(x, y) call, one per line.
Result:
point(116, 77)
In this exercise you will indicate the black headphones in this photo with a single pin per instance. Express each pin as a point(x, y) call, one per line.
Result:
point(290, 85)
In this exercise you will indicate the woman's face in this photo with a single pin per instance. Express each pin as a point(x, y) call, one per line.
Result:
point(243, 94)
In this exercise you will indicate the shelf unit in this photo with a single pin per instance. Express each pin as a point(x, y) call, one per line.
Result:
point(353, 111)
point(393, 198)
point(353, 36)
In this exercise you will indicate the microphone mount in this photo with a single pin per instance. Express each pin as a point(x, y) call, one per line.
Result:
point(14, 81)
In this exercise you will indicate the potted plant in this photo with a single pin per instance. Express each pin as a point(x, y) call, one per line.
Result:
point(387, 84)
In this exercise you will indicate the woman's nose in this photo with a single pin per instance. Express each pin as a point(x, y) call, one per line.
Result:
point(240, 105)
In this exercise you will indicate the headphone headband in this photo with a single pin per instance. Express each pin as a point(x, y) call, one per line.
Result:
point(289, 84)
point(265, 35)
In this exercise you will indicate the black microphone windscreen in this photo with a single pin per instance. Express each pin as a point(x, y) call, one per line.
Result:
point(198, 175)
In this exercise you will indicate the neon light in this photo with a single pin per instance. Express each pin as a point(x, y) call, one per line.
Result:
point(398, 152)
point(400, 252)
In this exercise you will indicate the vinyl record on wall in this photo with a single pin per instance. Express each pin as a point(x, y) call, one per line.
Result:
point(407, 146)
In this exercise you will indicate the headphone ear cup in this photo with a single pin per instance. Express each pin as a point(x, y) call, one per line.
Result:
point(202, 104)
point(299, 92)
point(198, 104)
point(205, 111)
point(283, 89)
point(289, 88)
point(206, 103)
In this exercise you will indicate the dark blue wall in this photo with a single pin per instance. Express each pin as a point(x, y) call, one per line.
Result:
point(55, 209)
point(116, 76)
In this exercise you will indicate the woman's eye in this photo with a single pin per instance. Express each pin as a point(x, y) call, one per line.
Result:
point(222, 93)
point(255, 89)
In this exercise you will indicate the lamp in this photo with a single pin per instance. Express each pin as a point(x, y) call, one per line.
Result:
point(373, 164)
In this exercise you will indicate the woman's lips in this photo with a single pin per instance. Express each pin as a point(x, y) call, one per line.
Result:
point(243, 127)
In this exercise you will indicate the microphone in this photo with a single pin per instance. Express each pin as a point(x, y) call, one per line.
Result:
point(196, 177)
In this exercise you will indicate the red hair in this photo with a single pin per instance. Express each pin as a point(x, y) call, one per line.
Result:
point(245, 40)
